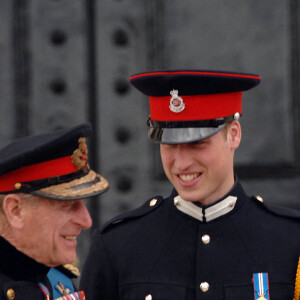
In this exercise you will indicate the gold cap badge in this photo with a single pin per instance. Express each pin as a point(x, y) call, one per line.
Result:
point(79, 157)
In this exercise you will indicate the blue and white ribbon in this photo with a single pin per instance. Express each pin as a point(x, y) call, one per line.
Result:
point(261, 286)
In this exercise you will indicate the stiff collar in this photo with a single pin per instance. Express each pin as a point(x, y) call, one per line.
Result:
point(207, 213)
point(19, 266)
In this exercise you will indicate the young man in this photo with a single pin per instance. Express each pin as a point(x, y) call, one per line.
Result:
point(208, 240)
point(43, 181)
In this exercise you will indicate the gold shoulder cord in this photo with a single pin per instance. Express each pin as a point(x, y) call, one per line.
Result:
point(297, 283)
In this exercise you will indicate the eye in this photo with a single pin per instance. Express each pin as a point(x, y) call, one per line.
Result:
point(67, 204)
point(200, 143)
point(70, 205)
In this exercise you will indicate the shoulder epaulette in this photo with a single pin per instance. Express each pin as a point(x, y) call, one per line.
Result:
point(279, 210)
point(149, 206)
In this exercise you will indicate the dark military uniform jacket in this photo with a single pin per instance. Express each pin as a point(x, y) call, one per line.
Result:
point(173, 249)
point(20, 275)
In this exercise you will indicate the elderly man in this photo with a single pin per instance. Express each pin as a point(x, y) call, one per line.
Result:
point(43, 182)
point(208, 239)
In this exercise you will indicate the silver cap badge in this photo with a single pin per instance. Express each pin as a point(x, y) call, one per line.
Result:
point(176, 103)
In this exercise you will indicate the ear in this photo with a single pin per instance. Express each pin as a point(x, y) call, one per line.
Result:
point(234, 134)
point(13, 206)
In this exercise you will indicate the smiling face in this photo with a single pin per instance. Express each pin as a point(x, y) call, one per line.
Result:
point(50, 230)
point(203, 171)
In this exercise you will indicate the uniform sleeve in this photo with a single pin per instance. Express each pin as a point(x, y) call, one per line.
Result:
point(98, 280)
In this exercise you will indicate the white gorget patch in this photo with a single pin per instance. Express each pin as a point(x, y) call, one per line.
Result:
point(205, 214)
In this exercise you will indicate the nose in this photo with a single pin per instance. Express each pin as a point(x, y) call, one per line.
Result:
point(183, 159)
point(83, 217)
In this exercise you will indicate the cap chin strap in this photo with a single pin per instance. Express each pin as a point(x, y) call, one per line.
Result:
point(213, 123)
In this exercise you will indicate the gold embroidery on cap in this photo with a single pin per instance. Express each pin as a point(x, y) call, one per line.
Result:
point(65, 189)
point(79, 157)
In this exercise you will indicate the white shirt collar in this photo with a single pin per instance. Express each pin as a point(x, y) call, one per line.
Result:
point(206, 214)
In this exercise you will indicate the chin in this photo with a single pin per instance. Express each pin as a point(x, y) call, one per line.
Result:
point(189, 195)
point(67, 259)
point(191, 200)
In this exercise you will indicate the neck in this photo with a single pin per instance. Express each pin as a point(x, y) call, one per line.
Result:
point(221, 192)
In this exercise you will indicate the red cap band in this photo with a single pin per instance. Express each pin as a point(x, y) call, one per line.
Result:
point(197, 107)
point(51, 168)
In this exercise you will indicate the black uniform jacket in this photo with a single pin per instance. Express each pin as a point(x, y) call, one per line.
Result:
point(20, 275)
point(159, 252)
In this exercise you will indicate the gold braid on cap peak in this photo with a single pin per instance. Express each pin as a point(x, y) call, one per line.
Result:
point(297, 283)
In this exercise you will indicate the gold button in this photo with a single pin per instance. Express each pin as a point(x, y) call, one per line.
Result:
point(204, 287)
point(259, 198)
point(18, 185)
point(153, 202)
point(10, 294)
point(205, 239)
point(148, 297)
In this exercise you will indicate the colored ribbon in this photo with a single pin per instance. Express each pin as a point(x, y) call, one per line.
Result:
point(45, 291)
point(261, 286)
point(75, 296)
